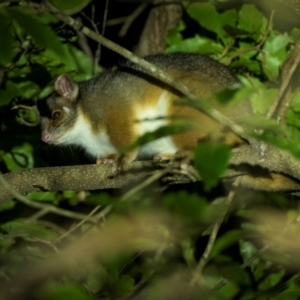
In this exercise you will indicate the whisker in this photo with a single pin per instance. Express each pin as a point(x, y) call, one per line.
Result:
point(65, 123)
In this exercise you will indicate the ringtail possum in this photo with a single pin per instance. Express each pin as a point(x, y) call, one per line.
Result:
point(109, 112)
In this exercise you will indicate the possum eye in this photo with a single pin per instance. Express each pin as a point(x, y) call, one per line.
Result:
point(55, 115)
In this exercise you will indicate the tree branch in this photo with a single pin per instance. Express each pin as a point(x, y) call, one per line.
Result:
point(288, 70)
point(82, 177)
point(244, 161)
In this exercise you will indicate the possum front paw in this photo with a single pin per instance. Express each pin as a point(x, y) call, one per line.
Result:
point(109, 159)
point(119, 163)
point(163, 157)
point(123, 162)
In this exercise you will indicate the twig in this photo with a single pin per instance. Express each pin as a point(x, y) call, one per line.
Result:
point(48, 243)
point(45, 208)
point(103, 213)
point(208, 248)
point(83, 43)
point(146, 277)
point(104, 17)
point(98, 51)
point(37, 215)
point(116, 21)
point(226, 49)
point(131, 192)
point(130, 19)
point(284, 105)
point(204, 259)
point(78, 225)
point(4, 275)
point(37, 239)
point(144, 183)
point(288, 70)
point(51, 225)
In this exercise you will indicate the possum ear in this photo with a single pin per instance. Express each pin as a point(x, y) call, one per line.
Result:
point(66, 88)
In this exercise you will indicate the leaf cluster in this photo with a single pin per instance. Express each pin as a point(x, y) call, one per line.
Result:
point(141, 241)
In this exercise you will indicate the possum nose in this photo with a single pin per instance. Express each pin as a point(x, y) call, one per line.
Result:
point(46, 138)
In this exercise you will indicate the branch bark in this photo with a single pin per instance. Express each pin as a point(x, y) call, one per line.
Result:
point(81, 177)
point(244, 162)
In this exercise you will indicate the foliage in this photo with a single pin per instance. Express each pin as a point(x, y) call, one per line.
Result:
point(164, 253)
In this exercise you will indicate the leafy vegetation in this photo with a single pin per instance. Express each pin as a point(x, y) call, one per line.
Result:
point(190, 241)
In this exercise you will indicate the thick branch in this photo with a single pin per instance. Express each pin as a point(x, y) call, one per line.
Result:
point(92, 177)
point(83, 177)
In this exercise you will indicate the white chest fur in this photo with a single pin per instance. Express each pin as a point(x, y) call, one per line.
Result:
point(97, 145)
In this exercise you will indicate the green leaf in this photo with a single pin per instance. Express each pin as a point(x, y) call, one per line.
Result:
point(174, 36)
point(295, 34)
point(76, 61)
point(61, 291)
point(275, 52)
point(233, 94)
point(6, 49)
point(188, 252)
point(43, 196)
point(7, 205)
point(271, 280)
point(99, 199)
point(96, 279)
point(229, 291)
point(267, 125)
point(124, 286)
point(262, 99)
point(186, 205)
point(69, 194)
point(252, 21)
point(229, 17)
point(19, 157)
point(41, 32)
point(225, 241)
point(211, 161)
point(295, 104)
point(292, 290)
point(19, 227)
point(196, 44)
point(70, 7)
point(292, 118)
point(115, 286)
point(207, 16)
point(247, 249)
point(245, 60)
point(27, 115)
point(8, 91)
